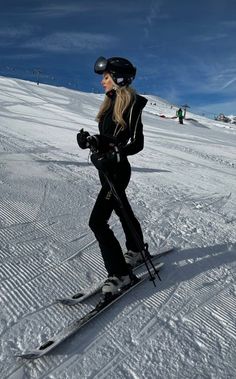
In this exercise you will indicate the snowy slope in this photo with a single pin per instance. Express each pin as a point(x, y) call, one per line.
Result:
point(183, 192)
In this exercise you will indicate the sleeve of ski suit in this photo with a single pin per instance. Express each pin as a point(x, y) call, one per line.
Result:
point(136, 141)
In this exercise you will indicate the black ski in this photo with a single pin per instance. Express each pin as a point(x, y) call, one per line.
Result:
point(81, 296)
point(71, 329)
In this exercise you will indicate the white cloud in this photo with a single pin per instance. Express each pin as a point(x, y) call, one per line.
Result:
point(209, 37)
point(228, 83)
point(12, 36)
point(67, 42)
point(16, 32)
point(225, 107)
point(229, 23)
point(56, 9)
point(206, 75)
point(154, 12)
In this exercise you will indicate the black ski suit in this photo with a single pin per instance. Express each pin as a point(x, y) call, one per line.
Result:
point(131, 140)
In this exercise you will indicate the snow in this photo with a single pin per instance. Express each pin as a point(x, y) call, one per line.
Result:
point(183, 192)
point(232, 119)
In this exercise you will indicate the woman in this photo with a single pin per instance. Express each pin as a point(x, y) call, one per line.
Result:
point(121, 135)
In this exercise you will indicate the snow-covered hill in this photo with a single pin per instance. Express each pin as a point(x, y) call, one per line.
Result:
point(232, 119)
point(182, 190)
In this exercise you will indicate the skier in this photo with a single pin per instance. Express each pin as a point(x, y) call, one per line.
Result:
point(179, 114)
point(121, 135)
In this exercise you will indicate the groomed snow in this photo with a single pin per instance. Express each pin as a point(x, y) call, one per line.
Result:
point(183, 191)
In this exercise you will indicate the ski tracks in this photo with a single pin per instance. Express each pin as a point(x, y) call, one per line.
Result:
point(181, 216)
point(40, 243)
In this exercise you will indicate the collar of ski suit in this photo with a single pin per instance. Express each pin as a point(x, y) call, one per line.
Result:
point(111, 94)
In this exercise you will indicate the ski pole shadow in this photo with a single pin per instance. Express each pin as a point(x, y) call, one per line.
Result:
point(185, 265)
point(147, 170)
point(203, 259)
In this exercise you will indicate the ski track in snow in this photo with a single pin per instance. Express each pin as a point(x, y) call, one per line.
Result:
point(183, 191)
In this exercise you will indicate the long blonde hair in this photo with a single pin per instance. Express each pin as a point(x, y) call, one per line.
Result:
point(124, 97)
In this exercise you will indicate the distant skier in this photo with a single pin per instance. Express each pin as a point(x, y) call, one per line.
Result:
point(179, 114)
point(121, 134)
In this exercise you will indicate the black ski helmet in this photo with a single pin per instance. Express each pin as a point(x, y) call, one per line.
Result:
point(121, 70)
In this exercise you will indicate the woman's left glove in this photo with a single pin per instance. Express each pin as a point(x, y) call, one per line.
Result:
point(105, 162)
point(99, 161)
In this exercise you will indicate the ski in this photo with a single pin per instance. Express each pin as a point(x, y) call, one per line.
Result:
point(81, 296)
point(76, 325)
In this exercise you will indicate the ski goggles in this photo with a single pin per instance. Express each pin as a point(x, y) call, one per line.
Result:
point(100, 65)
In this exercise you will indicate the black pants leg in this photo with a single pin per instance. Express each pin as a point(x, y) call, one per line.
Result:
point(110, 248)
point(131, 225)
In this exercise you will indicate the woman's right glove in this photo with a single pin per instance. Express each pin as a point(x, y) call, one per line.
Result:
point(82, 139)
point(86, 141)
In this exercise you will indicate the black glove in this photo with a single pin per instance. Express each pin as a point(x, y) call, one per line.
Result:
point(86, 141)
point(99, 160)
point(82, 139)
point(106, 162)
point(93, 142)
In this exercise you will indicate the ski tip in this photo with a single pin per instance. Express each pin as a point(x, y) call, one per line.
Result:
point(29, 355)
point(78, 295)
point(75, 299)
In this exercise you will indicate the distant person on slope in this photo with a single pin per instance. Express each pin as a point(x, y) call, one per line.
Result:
point(121, 134)
point(179, 114)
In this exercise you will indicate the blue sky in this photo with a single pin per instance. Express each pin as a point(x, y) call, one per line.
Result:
point(184, 51)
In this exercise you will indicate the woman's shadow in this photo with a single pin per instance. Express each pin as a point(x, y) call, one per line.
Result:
point(180, 266)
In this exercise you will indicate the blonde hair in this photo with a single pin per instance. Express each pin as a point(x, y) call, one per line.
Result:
point(124, 97)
